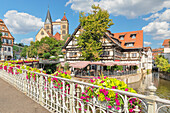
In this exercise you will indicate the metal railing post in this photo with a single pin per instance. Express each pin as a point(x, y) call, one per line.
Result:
point(25, 82)
point(41, 89)
point(71, 97)
point(152, 106)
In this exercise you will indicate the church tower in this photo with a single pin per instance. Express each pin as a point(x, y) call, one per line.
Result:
point(48, 23)
point(64, 26)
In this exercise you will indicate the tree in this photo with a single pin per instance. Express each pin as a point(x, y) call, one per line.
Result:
point(24, 52)
point(0, 40)
point(162, 63)
point(94, 26)
point(45, 48)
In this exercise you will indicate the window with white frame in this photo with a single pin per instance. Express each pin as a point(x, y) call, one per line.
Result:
point(124, 54)
point(6, 34)
point(134, 55)
point(72, 54)
point(129, 44)
point(4, 48)
point(105, 53)
point(4, 40)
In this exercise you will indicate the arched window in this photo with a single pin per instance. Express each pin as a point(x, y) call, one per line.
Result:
point(42, 33)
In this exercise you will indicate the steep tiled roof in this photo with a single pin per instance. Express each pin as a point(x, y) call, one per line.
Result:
point(64, 18)
point(57, 36)
point(138, 41)
point(166, 42)
point(48, 18)
point(1, 20)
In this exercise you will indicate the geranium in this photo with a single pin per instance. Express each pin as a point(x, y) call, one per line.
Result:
point(109, 96)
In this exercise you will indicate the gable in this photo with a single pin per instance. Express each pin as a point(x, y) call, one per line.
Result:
point(41, 34)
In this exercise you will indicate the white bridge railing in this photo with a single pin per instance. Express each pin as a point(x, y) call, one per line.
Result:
point(66, 99)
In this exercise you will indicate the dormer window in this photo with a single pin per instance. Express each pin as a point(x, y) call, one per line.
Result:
point(133, 36)
point(121, 37)
point(129, 44)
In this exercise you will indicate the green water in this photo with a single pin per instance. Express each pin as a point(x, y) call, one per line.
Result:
point(163, 86)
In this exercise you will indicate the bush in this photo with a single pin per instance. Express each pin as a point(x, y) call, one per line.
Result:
point(46, 55)
point(135, 67)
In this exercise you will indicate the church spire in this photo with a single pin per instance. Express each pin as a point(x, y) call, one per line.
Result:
point(48, 19)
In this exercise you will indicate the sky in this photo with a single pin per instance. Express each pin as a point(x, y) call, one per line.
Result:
point(24, 18)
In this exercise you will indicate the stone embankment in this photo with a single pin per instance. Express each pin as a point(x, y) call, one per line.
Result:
point(165, 76)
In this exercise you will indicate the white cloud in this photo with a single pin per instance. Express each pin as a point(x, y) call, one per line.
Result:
point(128, 8)
point(56, 28)
point(26, 40)
point(22, 23)
point(160, 27)
point(147, 43)
point(58, 20)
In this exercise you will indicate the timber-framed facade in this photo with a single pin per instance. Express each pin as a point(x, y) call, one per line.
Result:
point(117, 47)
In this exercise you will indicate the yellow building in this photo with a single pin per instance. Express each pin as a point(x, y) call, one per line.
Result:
point(47, 30)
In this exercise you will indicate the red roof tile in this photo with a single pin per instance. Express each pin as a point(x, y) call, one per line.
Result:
point(57, 36)
point(166, 42)
point(138, 41)
point(64, 18)
point(1, 20)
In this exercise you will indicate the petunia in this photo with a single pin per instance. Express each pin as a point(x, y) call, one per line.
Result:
point(109, 106)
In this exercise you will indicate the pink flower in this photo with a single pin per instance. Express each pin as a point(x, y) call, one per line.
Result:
point(91, 80)
point(113, 87)
point(87, 100)
point(101, 90)
point(109, 106)
point(108, 99)
point(65, 73)
point(126, 89)
point(27, 77)
point(116, 100)
point(117, 103)
point(98, 77)
point(82, 97)
point(118, 108)
point(92, 96)
point(105, 93)
point(80, 109)
point(61, 88)
point(130, 110)
point(93, 87)
point(102, 81)
point(105, 77)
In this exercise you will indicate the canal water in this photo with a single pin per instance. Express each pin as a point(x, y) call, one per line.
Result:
point(163, 86)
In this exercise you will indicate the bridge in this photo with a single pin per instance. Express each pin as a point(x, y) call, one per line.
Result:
point(67, 96)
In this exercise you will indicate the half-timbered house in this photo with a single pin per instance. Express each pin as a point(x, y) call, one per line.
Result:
point(126, 47)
